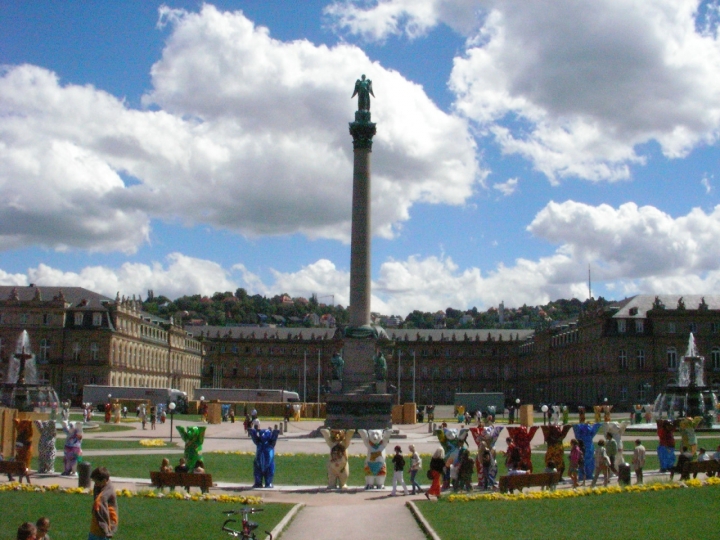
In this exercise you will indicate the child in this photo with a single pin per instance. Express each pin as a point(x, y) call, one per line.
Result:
point(399, 468)
point(165, 466)
point(26, 531)
point(43, 526)
point(415, 466)
point(182, 466)
point(105, 520)
point(465, 471)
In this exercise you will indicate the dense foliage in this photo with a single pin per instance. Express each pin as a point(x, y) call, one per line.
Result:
point(227, 308)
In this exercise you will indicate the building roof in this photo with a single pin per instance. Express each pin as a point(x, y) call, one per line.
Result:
point(445, 334)
point(637, 307)
point(73, 295)
point(260, 332)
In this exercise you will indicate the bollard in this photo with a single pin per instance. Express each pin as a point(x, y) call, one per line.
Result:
point(285, 422)
point(83, 469)
point(281, 429)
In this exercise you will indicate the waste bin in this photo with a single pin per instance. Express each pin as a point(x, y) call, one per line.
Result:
point(83, 468)
point(624, 474)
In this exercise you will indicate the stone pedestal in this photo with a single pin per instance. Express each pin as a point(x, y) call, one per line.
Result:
point(336, 386)
point(359, 369)
point(359, 411)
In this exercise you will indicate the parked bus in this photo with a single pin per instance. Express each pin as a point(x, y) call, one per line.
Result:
point(245, 394)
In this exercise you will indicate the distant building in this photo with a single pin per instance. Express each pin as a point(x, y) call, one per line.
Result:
point(81, 337)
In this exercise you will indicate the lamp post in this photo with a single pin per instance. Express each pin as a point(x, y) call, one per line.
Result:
point(171, 406)
point(398, 374)
point(414, 367)
point(544, 410)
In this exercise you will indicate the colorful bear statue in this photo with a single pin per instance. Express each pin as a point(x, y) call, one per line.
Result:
point(521, 437)
point(73, 446)
point(686, 426)
point(23, 445)
point(338, 468)
point(616, 431)
point(46, 446)
point(554, 435)
point(264, 464)
point(666, 446)
point(375, 440)
point(485, 437)
point(585, 433)
point(193, 438)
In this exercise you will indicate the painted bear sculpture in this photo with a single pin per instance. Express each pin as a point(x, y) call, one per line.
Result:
point(376, 441)
point(554, 436)
point(338, 467)
point(485, 437)
point(521, 437)
point(616, 431)
point(73, 445)
point(585, 433)
point(264, 464)
point(46, 446)
point(193, 438)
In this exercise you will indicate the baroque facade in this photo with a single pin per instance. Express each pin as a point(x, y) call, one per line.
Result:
point(626, 353)
point(435, 364)
point(81, 337)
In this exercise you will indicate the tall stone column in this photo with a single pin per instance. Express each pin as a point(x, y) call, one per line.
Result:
point(362, 131)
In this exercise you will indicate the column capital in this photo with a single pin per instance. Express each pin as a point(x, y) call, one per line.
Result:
point(362, 130)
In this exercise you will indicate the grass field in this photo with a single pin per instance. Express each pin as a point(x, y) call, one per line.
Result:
point(677, 514)
point(156, 519)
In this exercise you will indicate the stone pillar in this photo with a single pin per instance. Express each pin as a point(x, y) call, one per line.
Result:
point(362, 131)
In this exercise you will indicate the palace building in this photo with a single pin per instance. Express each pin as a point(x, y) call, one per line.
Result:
point(81, 337)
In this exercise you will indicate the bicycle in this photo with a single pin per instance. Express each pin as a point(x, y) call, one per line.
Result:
point(248, 527)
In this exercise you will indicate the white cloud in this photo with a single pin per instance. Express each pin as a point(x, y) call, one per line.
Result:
point(573, 87)
point(507, 188)
point(248, 133)
point(706, 182)
point(631, 250)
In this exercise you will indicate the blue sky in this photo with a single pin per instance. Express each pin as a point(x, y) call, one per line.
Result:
point(192, 148)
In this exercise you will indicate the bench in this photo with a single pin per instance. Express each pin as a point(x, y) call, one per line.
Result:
point(710, 468)
point(15, 467)
point(511, 482)
point(186, 480)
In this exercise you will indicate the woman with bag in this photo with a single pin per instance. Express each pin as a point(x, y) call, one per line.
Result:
point(435, 473)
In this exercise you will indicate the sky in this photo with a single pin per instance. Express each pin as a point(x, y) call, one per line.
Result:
point(190, 148)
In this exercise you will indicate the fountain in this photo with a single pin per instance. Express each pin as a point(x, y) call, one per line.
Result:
point(689, 397)
point(21, 390)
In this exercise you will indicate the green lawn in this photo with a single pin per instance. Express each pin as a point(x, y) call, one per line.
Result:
point(158, 519)
point(108, 444)
point(676, 514)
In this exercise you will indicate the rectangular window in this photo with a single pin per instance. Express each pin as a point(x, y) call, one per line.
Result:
point(639, 326)
point(672, 358)
point(714, 327)
point(621, 326)
point(641, 358)
point(97, 319)
point(715, 355)
point(2, 318)
point(78, 319)
point(693, 327)
point(76, 351)
point(671, 328)
point(94, 350)
point(622, 359)
point(623, 393)
point(46, 318)
point(23, 318)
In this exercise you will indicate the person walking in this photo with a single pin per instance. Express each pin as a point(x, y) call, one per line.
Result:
point(602, 464)
point(104, 523)
point(399, 470)
point(638, 461)
point(611, 448)
point(415, 466)
point(575, 456)
point(435, 473)
point(582, 473)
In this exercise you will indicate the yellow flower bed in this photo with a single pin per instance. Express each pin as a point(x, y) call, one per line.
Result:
point(582, 492)
point(152, 442)
point(145, 493)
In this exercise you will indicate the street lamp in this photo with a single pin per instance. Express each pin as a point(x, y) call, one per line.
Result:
point(171, 406)
point(544, 410)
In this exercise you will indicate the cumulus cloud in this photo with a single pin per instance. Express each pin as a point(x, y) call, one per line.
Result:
point(507, 188)
point(575, 88)
point(631, 250)
point(242, 132)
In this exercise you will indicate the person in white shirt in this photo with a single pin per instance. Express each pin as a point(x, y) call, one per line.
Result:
point(638, 460)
